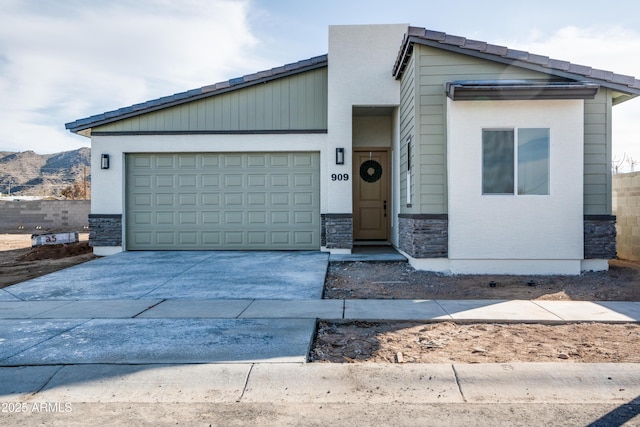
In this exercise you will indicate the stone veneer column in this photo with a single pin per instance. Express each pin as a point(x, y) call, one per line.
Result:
point(424, 235)
point(599, 237)
point(105, 230)
point(337, 231)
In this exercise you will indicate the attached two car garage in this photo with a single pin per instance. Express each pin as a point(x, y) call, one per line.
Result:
point(222, 201)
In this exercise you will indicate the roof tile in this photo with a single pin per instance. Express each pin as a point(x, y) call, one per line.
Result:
point(496, 49)
point(580, 69)
point(623, 80)
point(559, 65)
point(475, 45)
point(602, 74)
point(454, 40)
point(416, 31)
point(434, 35)
point(538, 59)
point(517, 54)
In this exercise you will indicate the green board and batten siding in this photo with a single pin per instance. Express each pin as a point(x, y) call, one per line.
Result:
point(292, 103)
point(597, 154)
point(423, 93)
point(407, 129)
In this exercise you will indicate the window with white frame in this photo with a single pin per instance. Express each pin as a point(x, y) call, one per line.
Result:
point(515, 159)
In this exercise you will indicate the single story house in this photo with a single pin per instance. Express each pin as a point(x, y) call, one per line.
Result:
point(468, 157)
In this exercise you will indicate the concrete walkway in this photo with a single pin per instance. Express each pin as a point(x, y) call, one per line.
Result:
point(328, 309)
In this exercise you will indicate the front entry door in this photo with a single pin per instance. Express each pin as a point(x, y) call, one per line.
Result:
point(371, 188)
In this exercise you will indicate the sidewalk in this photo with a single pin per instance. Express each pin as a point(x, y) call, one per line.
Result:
point(386, 309)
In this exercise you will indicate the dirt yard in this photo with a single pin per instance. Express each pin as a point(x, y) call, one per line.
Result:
point(398, 280)
point(20, 262)
point(448, 342)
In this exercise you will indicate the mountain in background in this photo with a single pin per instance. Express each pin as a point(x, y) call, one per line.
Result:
point(46, 175)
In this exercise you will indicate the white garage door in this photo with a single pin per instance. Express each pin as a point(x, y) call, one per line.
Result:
point(221, 201)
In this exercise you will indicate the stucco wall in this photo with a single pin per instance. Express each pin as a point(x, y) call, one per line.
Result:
point(360, 60)
point(36, 216)
point(505, 233)
point(626, 207)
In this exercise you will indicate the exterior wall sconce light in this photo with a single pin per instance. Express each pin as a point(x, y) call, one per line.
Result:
point(104, 161)
point(339, 156)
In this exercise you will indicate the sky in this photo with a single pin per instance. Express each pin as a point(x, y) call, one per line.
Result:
point(62, 60)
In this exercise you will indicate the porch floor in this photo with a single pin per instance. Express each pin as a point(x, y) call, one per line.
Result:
point(368, 252)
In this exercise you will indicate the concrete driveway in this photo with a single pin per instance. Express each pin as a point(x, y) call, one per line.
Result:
point(162, 307)
point(182, 275)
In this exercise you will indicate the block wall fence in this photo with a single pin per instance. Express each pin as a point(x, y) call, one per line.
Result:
point(38, 216)
point(626, 207)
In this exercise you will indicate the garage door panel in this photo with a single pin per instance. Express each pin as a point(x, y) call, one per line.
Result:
point(210, 160)
point(165, 199)
point(211, 217)
point(259, 218)
point(210, 199)
point(280, 180)
point(303, 160)
point(257, 180)
point(232, 217)
point(142, 218)
point(234, 238)
point(232, 201)
point(142, 161)
point(187, 218)
point(232, 161)
point(188, 238)
point(165, 181)
point(256, 199)
point(164, 218)
point(303, 181)
point(280, 160)
point(142, 199)
point(303, 218)
point(257, 237)
point(211, 238)
point(142, 181)
point(303, 237)
point(164, 161)
point(187, 161)
point(165, 238)
point(280, 218)
point(256, 160)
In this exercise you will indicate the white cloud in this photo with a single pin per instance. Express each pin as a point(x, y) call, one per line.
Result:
point(614, 49)
point(83, 58)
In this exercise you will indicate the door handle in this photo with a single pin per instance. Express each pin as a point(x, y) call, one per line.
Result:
point(384, 204)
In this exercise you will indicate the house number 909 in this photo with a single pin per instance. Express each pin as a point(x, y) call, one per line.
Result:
point(339, 177)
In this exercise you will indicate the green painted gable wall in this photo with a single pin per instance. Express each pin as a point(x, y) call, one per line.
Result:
point(423, 117)
point(293, 103)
